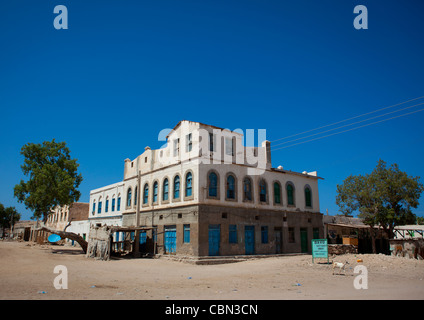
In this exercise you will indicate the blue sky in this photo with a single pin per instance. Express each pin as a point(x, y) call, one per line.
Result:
point(125, 70)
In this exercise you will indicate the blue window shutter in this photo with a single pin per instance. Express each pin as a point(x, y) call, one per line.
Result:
point(232, 233)
point(186, 233)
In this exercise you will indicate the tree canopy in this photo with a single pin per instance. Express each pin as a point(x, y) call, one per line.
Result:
point(53, 178)
point(8, 217)
point(383, 198)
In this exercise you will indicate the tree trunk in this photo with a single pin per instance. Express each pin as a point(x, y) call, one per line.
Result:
point(372, 231)
point(69, 235)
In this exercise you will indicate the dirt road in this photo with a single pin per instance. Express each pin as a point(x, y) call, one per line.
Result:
point(26, 272)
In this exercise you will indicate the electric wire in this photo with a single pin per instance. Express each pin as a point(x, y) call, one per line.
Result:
point(341, 121)
point(351, 124)
point(365, 125)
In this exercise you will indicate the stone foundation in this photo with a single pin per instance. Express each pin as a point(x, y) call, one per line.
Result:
point(338, 249)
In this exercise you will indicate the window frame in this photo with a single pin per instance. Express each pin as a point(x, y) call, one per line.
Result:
point(129, 196)
point(209, 196)
point(145, 195)
point(293, 194)
point(227, 187)
point(175, 198)
point(262, 182)
point(186, 196)
point(308, 187)
point(280, 193)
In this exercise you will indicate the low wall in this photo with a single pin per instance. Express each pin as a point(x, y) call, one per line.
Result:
point(337, 249)
point(409, 248)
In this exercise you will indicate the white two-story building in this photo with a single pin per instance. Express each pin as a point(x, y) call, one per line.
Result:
point(206, 193)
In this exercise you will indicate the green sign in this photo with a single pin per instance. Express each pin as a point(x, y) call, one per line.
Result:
point(319, 249)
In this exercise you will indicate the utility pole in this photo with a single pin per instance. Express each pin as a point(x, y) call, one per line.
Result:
point(137, 215)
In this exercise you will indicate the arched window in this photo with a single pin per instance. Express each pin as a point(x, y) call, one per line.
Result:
point(146, 194)
point(107, 204)
point(99, 206)
point(188, 185)
point(113, 203)
point(165, 190)
point(213, 185)
point(155, 192)
point(277, 193)
point(94, 208)
point(129, 194)
point(308, 196)
point(231, 187)
point(290, 194)
point(247, 189)
point(262, 190)
point(118, 204)
point(177, 187)
point(135, 196)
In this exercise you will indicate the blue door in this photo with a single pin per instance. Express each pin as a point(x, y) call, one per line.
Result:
point(214, 239)
point(170, 239)
point(249, 239)
point(143, 239)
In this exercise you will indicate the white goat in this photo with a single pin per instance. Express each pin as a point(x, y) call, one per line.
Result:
point(341, 266)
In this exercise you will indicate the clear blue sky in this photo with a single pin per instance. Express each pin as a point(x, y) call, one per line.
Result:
point(125, 70)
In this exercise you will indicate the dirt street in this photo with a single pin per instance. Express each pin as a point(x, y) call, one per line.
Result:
point(26, 272)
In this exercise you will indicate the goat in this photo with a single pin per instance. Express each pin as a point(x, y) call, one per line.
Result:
point(339, 265)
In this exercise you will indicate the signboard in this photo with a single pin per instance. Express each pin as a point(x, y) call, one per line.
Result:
point(319, 249)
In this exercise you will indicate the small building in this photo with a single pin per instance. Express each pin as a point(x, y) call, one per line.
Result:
point(22, 229)
point(74, 218)
point(343, 230)
point(408, 241)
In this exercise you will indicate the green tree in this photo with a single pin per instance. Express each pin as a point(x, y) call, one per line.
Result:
point(383, 198)
point(53, 181)
point(8, 217)
point(53, 178)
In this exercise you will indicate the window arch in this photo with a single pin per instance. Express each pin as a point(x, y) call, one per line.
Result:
point(247, 189)
point(94, 208)
point(107, 204)
point(155, 191)
point(165, 191)
point(146, 194)
point(277, 193)
point(113, 203)
point(213, 185)
point(129, 194)
point(177, 187)
point(308, 196)
point(231, 187)
point(189, 184)
point(262, 191)
point(99, 206)
point(290, 194)
point(135, 195)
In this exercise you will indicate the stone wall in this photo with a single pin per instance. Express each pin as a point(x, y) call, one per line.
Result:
point(409, 248)
point(338, 249)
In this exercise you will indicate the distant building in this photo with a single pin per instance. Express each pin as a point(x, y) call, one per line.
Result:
point(22, 229)
point(76, 215)
point(208, 194)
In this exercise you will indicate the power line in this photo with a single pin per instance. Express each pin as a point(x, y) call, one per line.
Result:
point(351, 124)
point(361, 115)
point(365, 125)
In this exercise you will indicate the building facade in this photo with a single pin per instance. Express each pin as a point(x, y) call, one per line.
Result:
point(74, 218)
point(208, 194)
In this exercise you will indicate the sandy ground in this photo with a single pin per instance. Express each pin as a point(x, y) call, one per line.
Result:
point(26, 272)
